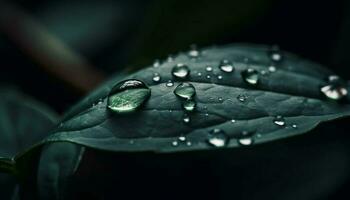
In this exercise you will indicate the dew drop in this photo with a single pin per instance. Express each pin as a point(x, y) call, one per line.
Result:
point(226, 66)
point(217, 138)
point(189, 105)
point(175, 143)
point(250, 76)
point(220, 77)
point(246, 141)
point(242, 98)
point(272, 68)
point(334, 92)
point(335, 89)
point(182, 138)
point(220, 99)
point(294, 126)
point(199, 74)
point(185, 90)
point(275, 54)
point(193, 53)
point(180, 71)
point(186, 118)
point(279, 120)
point(208, 69)
point(156, 63)
point(233, 121)
point(127, 96)
point(208, 76)
point(188, 143)
point(156, 77)
point(170, 59)
point(169, 84)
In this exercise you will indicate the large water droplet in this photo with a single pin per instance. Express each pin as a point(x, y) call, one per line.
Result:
point(226, 66)
point(279, 120)
point(180, 70)
point(127, 96)
point(156, 77)
point(185, 90)
point(217, 138)
point(250, 76)
point(189, 105)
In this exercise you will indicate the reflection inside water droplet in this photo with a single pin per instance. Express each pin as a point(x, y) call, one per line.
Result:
point(127, 96)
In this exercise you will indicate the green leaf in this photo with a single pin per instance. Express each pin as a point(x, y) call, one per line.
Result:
point(282, 103)
point(23, 122)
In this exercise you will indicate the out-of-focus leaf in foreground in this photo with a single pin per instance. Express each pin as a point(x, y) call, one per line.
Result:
point(23, 122)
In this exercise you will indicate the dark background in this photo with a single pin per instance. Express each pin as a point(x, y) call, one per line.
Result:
point(126, 35)
point(115, 35)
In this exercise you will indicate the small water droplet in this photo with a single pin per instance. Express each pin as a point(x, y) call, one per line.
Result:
point(189, 105)
point(156, 63)
point(275, 54)
point(226, 66)
point(272, 68)
point(128, 96)
point(185, 90)
point(186, 118)
point(246, 141)
point(208, 76)
point(156, 77)
point(233, 121)
point(220, 99)
point(169, 84)
point(188, 143)
point(242, 97)
point(217, 138)
point(263, 72)
point(170, 59)
point(182, 138)
point(333, 78)
point(207, 114)
point(279, 120)
point(250, 76)
point(219, 77)
point(199, 74)
point(180, 71)
point(175, 143)
point(208, 69)
point(294, 126)
point(193, 53)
